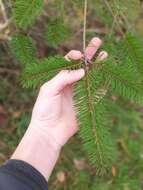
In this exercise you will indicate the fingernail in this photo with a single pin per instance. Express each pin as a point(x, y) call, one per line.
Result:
point(103, 55)
point(96, 41)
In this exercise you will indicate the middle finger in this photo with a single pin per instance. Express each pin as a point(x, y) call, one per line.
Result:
point(92, 48)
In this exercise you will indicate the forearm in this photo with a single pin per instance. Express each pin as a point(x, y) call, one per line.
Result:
point(38, 150)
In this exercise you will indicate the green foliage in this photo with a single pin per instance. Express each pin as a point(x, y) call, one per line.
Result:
point(124, 80)
point(96, 139)
point(23, 48)
point(82, 181)
point(120, 75)
point(40, 71)
point(116, 11)
point(128, 9)
point(57, 32)
point(132, 47)
point(26, 12)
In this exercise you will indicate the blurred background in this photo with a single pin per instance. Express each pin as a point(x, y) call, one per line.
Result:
point(73, 170)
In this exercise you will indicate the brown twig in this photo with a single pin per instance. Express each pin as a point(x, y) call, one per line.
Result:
point(85, 61)
point(4, 24)
point(84, 25)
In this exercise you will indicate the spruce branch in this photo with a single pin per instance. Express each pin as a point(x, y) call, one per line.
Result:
point(57, 32)
point(123, 12)
point(124, 80)
point(133, 48)
point(93, 130)
point(26, 12)
point(41, 71)
point(23, 48)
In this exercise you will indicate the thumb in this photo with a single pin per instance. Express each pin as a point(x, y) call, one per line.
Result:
point(66, 77)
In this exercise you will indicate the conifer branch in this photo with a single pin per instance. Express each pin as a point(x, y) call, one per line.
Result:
point(124, 80)
point(57, 32)
point(41, 71)
point(26, 12)
point(133, 47)
point(23, 48)
point(93, 129)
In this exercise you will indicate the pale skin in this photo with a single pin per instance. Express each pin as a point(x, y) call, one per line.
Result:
point(54, 120)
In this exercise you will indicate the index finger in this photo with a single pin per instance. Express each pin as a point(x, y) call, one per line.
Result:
point(74, 55)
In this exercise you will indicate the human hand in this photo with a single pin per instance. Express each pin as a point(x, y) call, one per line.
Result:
point(54, 118)
point(54, 115)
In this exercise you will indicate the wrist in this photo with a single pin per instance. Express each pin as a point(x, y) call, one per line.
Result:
point(57, 133)
point(38, 150)
point(45, 134)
